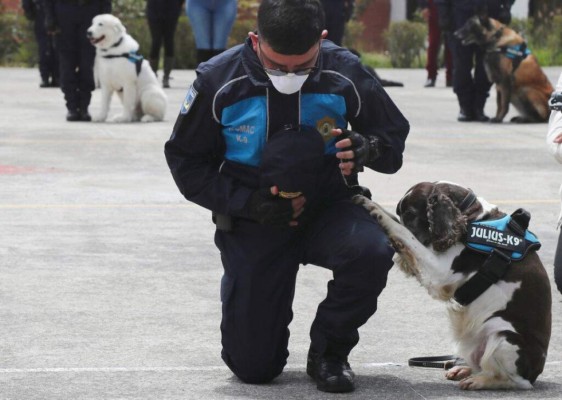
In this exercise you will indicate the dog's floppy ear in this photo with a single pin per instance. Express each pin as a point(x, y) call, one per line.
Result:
point(446, 222)
point(119, 27)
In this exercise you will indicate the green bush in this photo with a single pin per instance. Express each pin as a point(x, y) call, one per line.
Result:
point(405, 42)
point(17, 40)
point(352, 34)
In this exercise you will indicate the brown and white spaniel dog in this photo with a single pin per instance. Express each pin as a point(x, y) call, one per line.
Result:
point(503, 333)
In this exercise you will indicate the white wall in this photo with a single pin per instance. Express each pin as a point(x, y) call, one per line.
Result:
point(398, 10)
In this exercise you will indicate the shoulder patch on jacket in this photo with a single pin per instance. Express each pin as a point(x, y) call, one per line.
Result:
point(189, 100)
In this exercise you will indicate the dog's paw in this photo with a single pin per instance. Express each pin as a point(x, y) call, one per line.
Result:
point(121, 118)
point(360, 199)
point(397, 244)
point(520, 120)
point(147, 118)
point(458, 372)
point(99, 118)
point(496, 120)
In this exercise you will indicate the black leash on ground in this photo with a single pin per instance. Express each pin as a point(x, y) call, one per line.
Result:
point(441, 362)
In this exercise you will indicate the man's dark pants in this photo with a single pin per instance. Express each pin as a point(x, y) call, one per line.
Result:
point(471, 90)
point(258, 286)
point(48, 59)
point(76, 53)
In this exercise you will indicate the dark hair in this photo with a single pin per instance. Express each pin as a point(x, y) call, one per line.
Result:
point(290, 27)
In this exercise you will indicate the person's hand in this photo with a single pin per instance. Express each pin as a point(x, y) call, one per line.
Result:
point(558, 138)
point(266, 207)
point(356, 150)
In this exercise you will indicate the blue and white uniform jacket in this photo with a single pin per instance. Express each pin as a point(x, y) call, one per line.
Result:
point(232, 109)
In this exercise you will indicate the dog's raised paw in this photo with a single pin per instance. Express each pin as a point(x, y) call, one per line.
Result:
point(397, 244)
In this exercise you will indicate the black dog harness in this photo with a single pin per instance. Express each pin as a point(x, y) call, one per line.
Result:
point(517, 53)
point(132, 56)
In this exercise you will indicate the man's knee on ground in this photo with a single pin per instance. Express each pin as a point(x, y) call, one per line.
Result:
point(254, 369)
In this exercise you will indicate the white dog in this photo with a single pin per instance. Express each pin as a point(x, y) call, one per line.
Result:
point(120, 69)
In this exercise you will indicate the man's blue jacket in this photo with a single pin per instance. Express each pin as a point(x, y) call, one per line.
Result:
point(232, 109)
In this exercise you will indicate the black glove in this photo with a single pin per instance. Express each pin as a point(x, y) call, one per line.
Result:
point(269, 209)
point(365, 149)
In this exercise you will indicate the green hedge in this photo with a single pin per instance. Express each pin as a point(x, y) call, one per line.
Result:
point(18, 46)
point(405, 41)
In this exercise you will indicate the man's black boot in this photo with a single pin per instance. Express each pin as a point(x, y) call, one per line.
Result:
point(73, 115)
point(465, 116)
point(331, 373)
point(480, 116)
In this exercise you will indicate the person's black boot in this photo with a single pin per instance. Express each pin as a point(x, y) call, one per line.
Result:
point(480, 116)
point(168, 65)
point(85, 116)
point(72, 115)
point(465, 116)
point(204, 55)
point(154, 65)
point(331, 373)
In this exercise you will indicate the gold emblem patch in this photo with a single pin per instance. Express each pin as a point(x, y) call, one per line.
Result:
point(325, 126)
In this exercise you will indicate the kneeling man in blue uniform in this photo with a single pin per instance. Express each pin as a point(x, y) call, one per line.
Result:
point(261, 141)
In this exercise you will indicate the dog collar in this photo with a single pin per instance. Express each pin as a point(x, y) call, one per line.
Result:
point(469, 200)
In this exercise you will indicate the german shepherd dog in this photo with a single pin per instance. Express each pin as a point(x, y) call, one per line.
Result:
point(518, 77)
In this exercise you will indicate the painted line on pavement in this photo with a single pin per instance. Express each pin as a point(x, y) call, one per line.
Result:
point(180, 368)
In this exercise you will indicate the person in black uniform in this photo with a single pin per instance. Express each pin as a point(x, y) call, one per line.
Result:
point(71, 19)
point(337, 14)
point(472, 89)
point(163, 18)
point(34, 11)
point(261, 141)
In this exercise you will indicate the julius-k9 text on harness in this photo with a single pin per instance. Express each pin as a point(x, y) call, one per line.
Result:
point(506, 240)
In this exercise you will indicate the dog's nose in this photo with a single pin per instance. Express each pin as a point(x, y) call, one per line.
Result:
point(88, 33)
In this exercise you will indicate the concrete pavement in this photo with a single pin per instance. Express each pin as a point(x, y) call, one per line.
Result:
point(109, 279)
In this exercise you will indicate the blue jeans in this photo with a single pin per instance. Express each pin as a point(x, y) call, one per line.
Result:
point(211, 21)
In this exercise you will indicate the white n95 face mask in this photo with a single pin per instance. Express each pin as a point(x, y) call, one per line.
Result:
point(287, 84)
